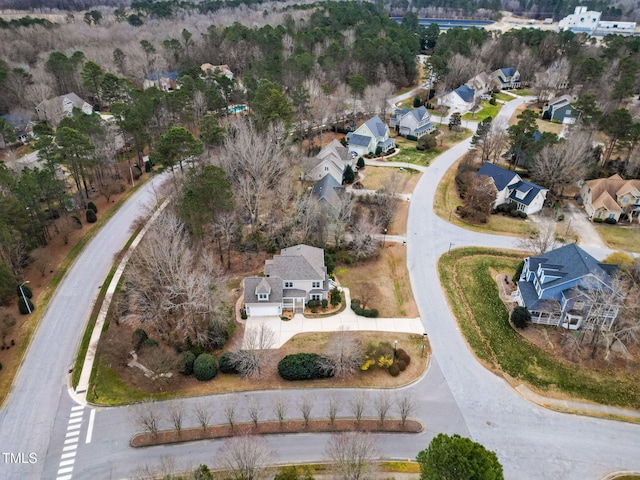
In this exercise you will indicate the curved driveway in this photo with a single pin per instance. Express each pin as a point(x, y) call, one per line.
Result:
point(456, 396)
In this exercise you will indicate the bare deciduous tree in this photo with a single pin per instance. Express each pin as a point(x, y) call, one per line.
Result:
point(254, 161)
point(540, 240)
point(279, 406)
point(229, 411)
point(147, 417)
point(245, 458)
point(558, 166)
point(358, 404)
point(332, 408)
point(254, 410)
point(346, 353)
point(306, 405)
point(352, 455)
point(257, 351)
point(382, 404)
point(406, 405)
point(203, 415)
point(175, 413)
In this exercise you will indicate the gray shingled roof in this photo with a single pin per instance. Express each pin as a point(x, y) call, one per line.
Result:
point(465, 93)
point(377, 126)
point(357, 139)
point(571, 263)
point(300, 262)
point(329, 190)
point(252, 283)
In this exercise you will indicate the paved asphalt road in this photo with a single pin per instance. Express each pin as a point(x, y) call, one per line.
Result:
point(457, 395)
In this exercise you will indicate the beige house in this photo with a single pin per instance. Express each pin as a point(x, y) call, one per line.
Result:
point(55, 109)
point(222, 69)
point(611, 198)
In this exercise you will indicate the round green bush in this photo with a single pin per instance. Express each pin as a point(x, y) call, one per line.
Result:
point(138, 337)
point(227, 363)
point(523, 214)
point(304, 366)
point(26, 291)
point(186, 363)
point(402, 366)
point(394, 371)
point(92, 206)
point(91, 216)
point(204, 367)
point(520, 317)
point(22, 306)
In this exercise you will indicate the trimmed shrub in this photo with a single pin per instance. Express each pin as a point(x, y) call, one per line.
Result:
point(91, 216)
point(24, 307)
point(420, 148)
point(204, 367)
point(325, 303)
point(92, 206)
point(360, 163)
point(378, 150)
point(514, 213)
point(186, 363)
point(304, 366)
point(394, 371)
point(355, 303)
point(417, 101)
point(336, 298)
point(227, 363)
point(610, 221)
point(411, 137)
point(150, 342)
point(403, 356)
point(243, 315)
point(195, 348)
point(523, 214)
point(402, 366)
point(520, 317)
point(138, 338)
point(26, 291)
point(597, 220)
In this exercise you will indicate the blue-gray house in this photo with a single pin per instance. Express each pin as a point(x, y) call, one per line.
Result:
point(510, 188)
point(567, 287)
point(460, 100)
point(559, 109)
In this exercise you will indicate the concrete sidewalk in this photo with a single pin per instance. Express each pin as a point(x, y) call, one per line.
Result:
point(285, 330)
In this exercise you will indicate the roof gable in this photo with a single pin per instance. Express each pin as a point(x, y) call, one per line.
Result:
point(501, 177)
point(377, 126)
point(466, 93)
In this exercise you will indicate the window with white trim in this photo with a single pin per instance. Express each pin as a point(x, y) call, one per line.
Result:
point(315, 284)
point(315, 296)
point(263, 297)
point(288, 284)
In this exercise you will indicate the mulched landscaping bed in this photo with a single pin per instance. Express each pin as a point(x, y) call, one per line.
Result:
point(265, 428)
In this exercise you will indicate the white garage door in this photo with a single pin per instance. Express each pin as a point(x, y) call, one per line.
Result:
point(264, 311)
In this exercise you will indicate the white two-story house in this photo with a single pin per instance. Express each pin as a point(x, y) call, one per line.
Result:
point(290, 280)
point(416, 122)
point(371, 137)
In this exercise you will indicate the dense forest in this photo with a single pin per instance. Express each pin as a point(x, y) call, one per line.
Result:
point(617, 10)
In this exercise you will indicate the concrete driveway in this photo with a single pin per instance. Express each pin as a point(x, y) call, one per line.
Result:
point(577, 220)
point(285, 330)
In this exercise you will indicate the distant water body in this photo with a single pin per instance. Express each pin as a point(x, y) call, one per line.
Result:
point(446, 23)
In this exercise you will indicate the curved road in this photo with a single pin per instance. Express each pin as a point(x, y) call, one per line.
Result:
point(457, 395)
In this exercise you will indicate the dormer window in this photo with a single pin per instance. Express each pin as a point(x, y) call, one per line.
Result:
point(288, 284)
point(315, 284)
point(263, 297)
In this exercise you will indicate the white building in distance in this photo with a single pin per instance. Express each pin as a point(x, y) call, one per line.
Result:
point(585, 21)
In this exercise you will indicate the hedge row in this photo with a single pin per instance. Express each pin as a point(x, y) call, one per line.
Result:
point(304, 366)
point(363, 312)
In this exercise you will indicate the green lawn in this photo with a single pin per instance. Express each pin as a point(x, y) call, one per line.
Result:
point(446, 200)
point(523, 92)
point(467, 278)
point(487, 110)
point(446, 140)
point(505, 97)
point(620, 238)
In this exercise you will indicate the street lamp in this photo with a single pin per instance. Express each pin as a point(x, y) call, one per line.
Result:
point(384, 238)
point(450, 245)
point(24, 298)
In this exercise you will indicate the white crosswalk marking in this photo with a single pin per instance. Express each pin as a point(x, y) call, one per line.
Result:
point(67, 458)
